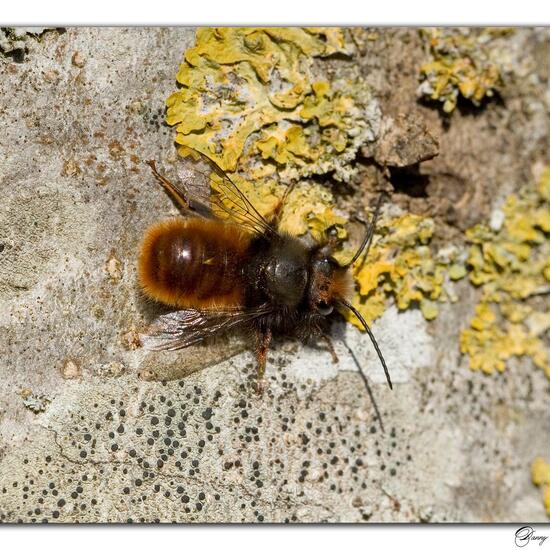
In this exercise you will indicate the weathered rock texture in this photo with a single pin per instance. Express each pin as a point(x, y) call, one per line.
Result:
point(89, 434)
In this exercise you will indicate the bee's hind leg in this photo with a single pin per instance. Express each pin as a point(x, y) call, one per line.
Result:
point(175, 192)
point(263, 339)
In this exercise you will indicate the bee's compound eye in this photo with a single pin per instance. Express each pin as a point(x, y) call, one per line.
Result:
point(324, 308)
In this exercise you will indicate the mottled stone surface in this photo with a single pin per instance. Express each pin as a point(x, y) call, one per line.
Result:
point(88, 433)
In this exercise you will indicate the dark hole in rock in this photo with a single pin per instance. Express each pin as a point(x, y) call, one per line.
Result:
point(409, 181)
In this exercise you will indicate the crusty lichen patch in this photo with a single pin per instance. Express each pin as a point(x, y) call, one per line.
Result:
point(402, 266)
point(510, 261)
point(540, 474)
point(33, 402)
point(462, 63)
point(202, 449)
point(251, 99)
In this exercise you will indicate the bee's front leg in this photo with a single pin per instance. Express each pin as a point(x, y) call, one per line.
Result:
point(263, 339)
point(330, 345)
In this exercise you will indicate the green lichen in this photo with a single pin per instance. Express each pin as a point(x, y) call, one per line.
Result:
point(251, 100)
point(511, 264)
point(401, 266)
point(540, 475)
point(462, 64)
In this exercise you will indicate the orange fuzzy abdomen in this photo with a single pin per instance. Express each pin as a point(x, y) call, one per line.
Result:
point(193, 263)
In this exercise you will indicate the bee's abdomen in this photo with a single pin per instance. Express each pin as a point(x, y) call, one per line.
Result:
point(193, 263)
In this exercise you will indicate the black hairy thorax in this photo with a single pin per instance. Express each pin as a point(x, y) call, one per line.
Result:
point(279, 274)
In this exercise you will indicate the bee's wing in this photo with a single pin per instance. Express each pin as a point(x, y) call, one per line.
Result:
point(208, 186)
point(183, 328)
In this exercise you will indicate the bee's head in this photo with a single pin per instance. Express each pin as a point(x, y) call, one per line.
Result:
point(329, 283)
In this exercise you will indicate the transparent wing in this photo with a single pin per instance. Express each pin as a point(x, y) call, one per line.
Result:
point(208, 188)
point(186, 327)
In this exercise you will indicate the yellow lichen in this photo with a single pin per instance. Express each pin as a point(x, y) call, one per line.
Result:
point(401, 266)
point(308, 209)
point(250, 100)
point(510, 263)
point(462, 64)
point(540, 475)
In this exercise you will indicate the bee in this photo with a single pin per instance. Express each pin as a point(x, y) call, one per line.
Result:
point(225, 266)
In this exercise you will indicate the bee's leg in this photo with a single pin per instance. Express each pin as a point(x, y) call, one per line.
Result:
point(263, 339)
point(330, 345)
point(175, 193)
point(275, 216)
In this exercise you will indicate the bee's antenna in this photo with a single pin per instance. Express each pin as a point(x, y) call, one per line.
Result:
point(371, 336)
point(367, 385)
point(369, 234)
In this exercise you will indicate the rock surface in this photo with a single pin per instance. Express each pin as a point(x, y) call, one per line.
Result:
point(88, 433)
